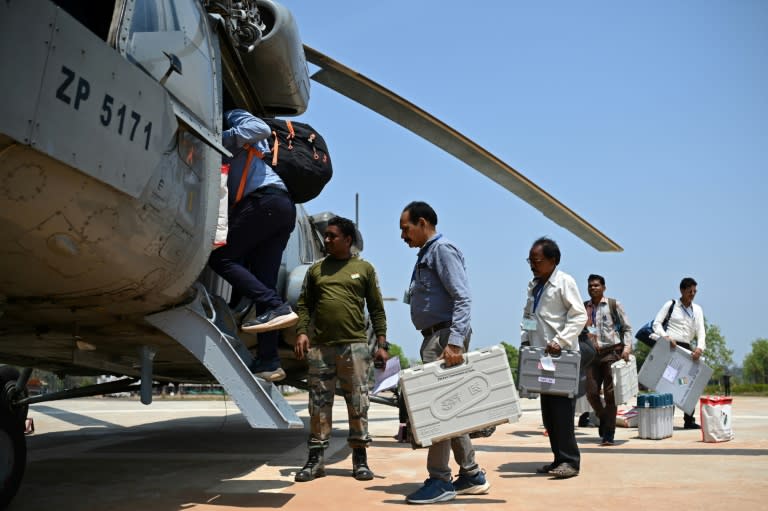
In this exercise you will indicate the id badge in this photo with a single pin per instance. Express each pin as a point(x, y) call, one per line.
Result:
point(530, 324)
point(592, 329)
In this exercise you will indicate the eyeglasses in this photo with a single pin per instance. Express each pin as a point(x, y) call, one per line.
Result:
point(535, 261)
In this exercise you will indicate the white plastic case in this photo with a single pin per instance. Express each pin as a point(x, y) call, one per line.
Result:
point(448, 402)
point(674, 371)
point(624, 380)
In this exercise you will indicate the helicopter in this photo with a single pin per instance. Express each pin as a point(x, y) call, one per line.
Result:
point(110, 150)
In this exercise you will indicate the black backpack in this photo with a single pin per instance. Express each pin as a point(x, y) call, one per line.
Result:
point(300, 157)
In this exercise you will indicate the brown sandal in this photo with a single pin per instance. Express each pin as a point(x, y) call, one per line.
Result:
point(545, 469)
point(564, 471)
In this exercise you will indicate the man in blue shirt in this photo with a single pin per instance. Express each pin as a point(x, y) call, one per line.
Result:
point(262, 217)
point(440, 307)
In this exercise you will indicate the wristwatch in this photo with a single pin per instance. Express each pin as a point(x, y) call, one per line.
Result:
point(384, 346)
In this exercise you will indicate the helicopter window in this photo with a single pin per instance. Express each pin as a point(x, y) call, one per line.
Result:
point(191, 151)
point(159, 31)
point(145, 17)
point(312, 247)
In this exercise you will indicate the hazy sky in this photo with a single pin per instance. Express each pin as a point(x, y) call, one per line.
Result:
point(649, 119)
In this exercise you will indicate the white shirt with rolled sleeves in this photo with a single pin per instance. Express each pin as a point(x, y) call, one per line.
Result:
point(681, 327)
point(560, 314)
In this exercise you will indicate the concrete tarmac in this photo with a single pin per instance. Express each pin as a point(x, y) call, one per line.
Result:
point(117, 454)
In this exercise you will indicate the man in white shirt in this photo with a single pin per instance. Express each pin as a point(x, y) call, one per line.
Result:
point(553, 318)
point(685, 323)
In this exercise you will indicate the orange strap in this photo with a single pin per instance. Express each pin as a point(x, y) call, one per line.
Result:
point(275, 149)
point(276, 145)
point(246, 169)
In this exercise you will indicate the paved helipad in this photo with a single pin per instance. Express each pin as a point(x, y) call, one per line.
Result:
point(114, 454)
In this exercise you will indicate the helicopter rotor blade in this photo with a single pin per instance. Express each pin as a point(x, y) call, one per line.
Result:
point(368, 93)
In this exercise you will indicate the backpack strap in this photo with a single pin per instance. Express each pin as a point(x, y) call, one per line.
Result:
point(617, 324)
point(288, 139)
point(614, 312)
point(244, 177)
point(669, 315)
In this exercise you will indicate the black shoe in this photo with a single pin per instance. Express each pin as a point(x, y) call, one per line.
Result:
point(272, 319)
point(314, 467)
point(584, 420)
point(691, 425)
point(360, 469)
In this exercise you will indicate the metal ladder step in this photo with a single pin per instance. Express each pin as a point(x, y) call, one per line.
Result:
point(194, 325)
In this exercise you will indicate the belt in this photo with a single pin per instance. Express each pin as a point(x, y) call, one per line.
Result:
point(268, 190)
point(435, 328)
point(608, 349)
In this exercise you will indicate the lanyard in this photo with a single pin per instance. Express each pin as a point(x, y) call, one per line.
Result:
point(537, 294)
point(688, 312)
point(422, 252)
point(594, 315)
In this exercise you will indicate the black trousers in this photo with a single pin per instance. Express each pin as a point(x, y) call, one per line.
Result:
point(557, 414)
point(259, 228)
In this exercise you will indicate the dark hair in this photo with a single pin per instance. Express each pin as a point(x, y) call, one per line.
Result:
point(549, 248)
point(346, 226)
point(418, 209)
point(687, 282)
point(596, 277)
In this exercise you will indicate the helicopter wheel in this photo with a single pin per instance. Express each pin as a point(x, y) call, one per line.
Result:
point(8, 376)
point(13, 446)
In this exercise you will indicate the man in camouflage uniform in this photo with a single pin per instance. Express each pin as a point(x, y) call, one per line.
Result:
point(333, 294)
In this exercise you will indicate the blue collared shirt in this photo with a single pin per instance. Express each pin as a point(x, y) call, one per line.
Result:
point(247, 129)
point(439, 289)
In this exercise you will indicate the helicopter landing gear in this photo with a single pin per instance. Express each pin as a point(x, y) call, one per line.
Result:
point(13, 446)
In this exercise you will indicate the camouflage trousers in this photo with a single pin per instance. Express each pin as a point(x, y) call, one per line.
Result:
point(348, 364)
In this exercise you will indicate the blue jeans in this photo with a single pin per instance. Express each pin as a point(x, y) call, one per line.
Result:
point(259, 228)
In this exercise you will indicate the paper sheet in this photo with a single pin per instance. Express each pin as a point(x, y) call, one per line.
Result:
point(387, 378)
point(547, 363)
point(670, 373)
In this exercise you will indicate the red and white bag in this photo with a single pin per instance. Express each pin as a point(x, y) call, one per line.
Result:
point(716, 418)
point(222, 225)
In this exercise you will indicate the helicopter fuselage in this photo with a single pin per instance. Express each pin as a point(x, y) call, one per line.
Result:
point(109, 173)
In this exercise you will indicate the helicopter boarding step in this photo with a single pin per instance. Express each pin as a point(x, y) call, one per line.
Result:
point(207, 329)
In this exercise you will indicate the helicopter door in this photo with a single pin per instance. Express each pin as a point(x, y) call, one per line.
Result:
point(171, 41)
